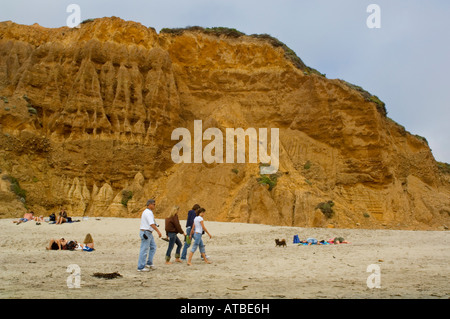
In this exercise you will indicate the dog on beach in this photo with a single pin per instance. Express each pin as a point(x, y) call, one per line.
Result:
point(280, 242)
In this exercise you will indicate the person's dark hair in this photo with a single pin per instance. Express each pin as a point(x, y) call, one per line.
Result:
point(200, 210)
point(195, 207)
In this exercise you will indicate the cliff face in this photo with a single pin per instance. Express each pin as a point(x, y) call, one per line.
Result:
point(87, 116)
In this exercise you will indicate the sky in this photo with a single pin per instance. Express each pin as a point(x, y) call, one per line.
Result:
point(405, 62)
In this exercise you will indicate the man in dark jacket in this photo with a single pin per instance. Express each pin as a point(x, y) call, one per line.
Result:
point(189, 222)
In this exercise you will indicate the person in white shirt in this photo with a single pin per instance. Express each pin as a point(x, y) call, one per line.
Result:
point(197, 230)
point(148, 245)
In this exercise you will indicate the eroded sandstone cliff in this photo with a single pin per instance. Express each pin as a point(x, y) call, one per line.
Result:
point(87, 114)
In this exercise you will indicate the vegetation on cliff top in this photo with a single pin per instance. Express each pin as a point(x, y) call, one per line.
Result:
point(233, 33)
point(381, 106)
point(444, 167)
point(288, 53)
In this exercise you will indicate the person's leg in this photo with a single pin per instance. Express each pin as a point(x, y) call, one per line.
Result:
point(172, 237)
point(186, 245)
point(196, 238)
point(50, 244)
point(145, 244)
point(177, 252)
point(202, 250)
point(205, 259)
point(152, 249)
point(190, 258)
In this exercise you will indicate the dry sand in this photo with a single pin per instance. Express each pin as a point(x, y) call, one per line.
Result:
point(246, 263)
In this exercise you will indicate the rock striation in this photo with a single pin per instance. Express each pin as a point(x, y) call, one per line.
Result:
point(86, 117)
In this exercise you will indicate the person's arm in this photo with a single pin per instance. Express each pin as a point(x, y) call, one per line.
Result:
point(192, 231)
point(152, 223)
point(156, 228)
point(190, 220)
point(178, 226)
point(204, 228)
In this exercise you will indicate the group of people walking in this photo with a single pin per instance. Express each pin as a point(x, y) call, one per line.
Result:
point(195, 228)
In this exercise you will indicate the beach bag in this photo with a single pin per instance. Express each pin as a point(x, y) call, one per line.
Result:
point(52, 217)
point(188, 240)
point(296, 239)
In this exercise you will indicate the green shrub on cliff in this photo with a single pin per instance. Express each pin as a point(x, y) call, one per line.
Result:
point(126, 196)
point(15, 187)
point(270, 180)
point(326, 208)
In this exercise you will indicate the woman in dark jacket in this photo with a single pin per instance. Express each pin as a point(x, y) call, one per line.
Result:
point(173, 228)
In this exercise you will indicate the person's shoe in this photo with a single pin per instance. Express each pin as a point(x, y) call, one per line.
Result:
point(143, 269)
point(152, 267)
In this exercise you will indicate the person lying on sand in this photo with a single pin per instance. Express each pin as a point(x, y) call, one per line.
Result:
point(26, 217)
point(311, 241)
point(39, 219)
point(338, 240)
point(57, 244)
point(62, 244)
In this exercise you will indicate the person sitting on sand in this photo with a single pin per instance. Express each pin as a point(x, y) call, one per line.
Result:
point(57, 244)
point(26, 217)
point(62, 218)
point(88, 244)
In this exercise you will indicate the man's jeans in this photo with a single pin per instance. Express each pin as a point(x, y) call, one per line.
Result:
point(148, 247)
point(186, 245)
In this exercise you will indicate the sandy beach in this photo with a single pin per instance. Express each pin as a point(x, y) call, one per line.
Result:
point(245, 263)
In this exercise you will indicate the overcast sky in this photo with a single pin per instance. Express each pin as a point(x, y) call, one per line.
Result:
point(405, 62)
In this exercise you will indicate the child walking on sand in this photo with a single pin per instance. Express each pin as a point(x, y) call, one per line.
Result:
point(197, 230)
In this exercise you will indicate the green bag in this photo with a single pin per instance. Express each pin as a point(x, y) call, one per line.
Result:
point(188, 240)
